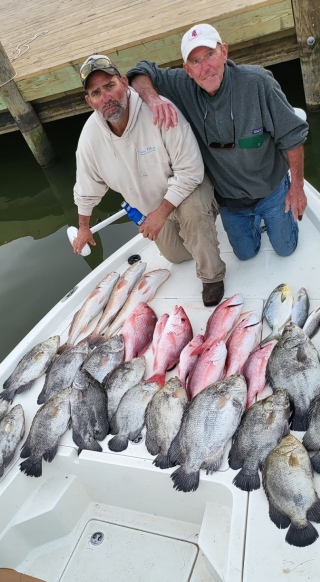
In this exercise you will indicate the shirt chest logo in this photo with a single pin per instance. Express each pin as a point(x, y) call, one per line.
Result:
point(147, 150)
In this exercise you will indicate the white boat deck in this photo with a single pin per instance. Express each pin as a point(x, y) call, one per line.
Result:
point(153, 532)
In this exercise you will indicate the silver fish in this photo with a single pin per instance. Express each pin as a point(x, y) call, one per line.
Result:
point(300, 307)
point(128, 421)
point(105, 358)
point(123, 378)
point(209, 421)
point(144, 290)
point(294, 365)
point(95, 302)
point(62, 372)
point(89, 413)
point(311, 438)
point(312, 325)
point(49, 424)
point(277, 310)
point(293, 501)
point(11, 433)
point(163, 419)
point(33, 364)
point(117, 299)
point(261, 429)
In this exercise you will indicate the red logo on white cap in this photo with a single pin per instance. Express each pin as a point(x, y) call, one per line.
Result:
point(194, 34)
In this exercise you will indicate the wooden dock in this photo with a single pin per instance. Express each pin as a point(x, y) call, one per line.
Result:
point(47, 41)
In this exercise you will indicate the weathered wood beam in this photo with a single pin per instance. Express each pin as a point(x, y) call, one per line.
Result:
point(24, 115)
point(307, 22)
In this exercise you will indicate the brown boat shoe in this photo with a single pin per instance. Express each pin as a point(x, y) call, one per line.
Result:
point(212, 293)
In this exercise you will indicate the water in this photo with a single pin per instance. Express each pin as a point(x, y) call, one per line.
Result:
point(37, 264)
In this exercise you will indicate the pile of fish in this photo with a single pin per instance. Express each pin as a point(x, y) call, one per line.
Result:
point(98, 387)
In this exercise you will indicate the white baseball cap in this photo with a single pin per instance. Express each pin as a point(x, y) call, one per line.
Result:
point(199, 35)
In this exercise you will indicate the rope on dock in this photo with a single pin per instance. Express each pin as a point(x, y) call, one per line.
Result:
point(25, 43)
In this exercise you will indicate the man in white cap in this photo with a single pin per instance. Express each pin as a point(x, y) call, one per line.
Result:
point(160, 173)
point(248, 133)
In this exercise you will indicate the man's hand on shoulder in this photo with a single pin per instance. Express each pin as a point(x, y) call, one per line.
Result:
point(163, 113)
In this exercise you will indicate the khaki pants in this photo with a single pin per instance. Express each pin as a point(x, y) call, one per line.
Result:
point(190, 232)
point(7, 575)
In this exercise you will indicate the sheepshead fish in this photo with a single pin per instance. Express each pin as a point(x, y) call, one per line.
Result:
point(221, 321)
point(144, 290)
point(294, 365)
point(11, 433)
point(312, 324)
point(311, 438)
point(175, 336)
point(4, 405)
point(62, 372)
point(209, 421)
point(123, 378)
point(277, 310)
point(105, 358)
point(33, 364)
point(94, 303)
point(137, 331)
point(261, 429)
point(243, 340)
point(300, 307)
point(187, 360)
point(163, 420)
point(293, 501)
point(128, 421)
point(208, 369)
point(119, 296)
point(160, 325)
point(89, 412)
point(254, 371)
point(49, 424)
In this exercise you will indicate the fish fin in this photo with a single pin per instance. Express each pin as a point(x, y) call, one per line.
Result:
point(7, 395)
point(183, 481)
point(272, 336)
point(199, 349)
point(25, 450)
point(315, 462)
point(25, 387)
point(113, 428)
point(101, 434)
point(313, 512)
point(279, 519)
point(64, 348)
point(175, 455)
point(235, 462)
point(97, 340)
point(309, 443)
point(301, 536)
point(50, 454)
point(214, 464)
point(32, 467)
point(42, 397)
point(163, 462)
point(300, 422)
point(159, 378)
point(247, 481)
point(77, 438)
point(93, 445)
point(152, 447)
point(118, 444)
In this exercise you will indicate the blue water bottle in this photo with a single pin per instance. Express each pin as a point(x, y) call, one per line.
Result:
point(134, 214)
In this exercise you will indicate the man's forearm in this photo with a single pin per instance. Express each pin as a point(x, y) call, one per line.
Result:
point(144, 86)
point(296, 165)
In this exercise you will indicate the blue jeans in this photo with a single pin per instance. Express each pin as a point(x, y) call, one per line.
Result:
point(243, 227)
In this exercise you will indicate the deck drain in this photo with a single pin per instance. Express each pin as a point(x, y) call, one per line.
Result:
point(97, 538)
point(138, 440)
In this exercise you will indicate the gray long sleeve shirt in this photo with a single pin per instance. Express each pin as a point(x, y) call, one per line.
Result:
point(250, 110)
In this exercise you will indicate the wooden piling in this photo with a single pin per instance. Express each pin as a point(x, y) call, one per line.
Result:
point(307, 22)
point(24, 114)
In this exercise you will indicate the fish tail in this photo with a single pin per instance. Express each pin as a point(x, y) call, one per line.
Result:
point(50, 454)
point(159, 378)
point(64, 348)
point(313, 512)
point(315, 462)
point(7, 395)
point(118, 443)
point(42, 397)
point(183, 481)
point(247, 481)
point(301, 536)
point(163, 462)
point(273, 336)
point(32, 467)
point(300, 421)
